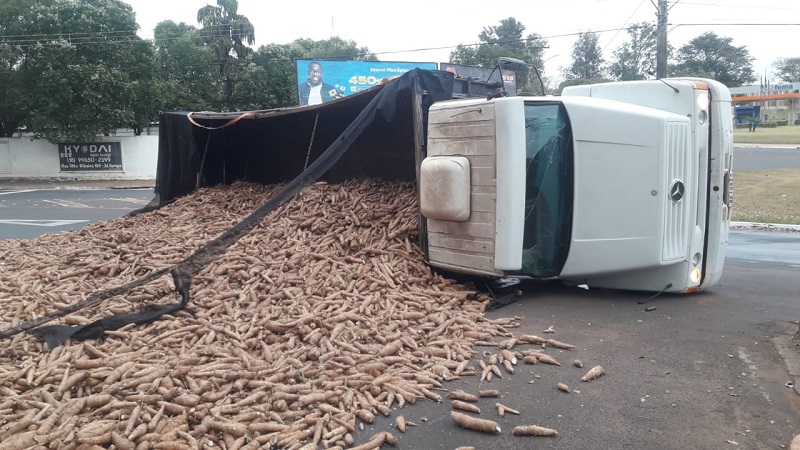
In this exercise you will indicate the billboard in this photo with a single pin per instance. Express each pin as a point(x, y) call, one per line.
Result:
point(90, 156)
point(321, 81)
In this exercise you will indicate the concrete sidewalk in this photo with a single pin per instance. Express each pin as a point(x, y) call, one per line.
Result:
point(74, 184)
point(757, 226)
point(743, 145)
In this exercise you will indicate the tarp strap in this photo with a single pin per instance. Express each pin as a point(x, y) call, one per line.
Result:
point(226, 124)
point(55, 335)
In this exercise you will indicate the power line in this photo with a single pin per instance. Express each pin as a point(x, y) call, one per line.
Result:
point(101, 36)
point(280, 60)
point(78, 33)
point(128, 36)
point(734, 25)
point(728, 6)
point(624, 25)
point(737, 24)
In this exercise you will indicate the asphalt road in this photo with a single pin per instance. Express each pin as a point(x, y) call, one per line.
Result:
point(27, 213)
point(765, 158)
point(696, 372)
point(758, 247)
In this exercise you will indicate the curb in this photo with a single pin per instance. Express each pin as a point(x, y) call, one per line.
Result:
point(781, 227)
point(33, 183)
point(790, 146)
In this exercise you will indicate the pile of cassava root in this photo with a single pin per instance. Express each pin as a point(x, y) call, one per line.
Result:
point(320, 318)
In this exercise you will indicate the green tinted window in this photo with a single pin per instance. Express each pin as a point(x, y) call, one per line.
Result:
point(549, 187)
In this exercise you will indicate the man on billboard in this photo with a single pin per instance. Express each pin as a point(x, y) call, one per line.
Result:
point(314, 91)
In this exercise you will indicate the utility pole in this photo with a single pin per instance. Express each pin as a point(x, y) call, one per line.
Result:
point(661, 40)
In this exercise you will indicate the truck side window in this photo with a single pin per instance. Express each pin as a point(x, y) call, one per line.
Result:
point(549, 189)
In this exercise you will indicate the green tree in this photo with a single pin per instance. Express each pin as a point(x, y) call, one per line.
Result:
point(714, 56)
point(587, 59)
point(270, 80)
point(788, 69)
point(187, 69)
point(144, 87)
point(505, 39)
point(14, 72)
point(256, 89)
point(228, 33)
point(636, 58)
point(74, 68)
point(332, 48)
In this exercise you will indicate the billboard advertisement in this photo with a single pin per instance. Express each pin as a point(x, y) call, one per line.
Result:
point(321, 81)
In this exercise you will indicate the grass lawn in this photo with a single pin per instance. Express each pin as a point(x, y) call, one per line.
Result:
point(789, 134)
point(766, 196)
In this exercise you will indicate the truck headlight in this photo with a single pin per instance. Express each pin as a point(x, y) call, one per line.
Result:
point(702, 107)
point(694, 275)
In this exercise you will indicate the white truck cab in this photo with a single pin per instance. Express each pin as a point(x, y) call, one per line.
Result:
point(619, 185)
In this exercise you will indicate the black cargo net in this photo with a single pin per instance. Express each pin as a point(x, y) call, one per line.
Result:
point(384, 106)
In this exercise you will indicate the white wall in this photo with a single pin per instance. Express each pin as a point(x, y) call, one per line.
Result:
point(22, 157)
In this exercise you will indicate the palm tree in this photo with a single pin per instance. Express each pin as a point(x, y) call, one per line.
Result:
point(228, 33)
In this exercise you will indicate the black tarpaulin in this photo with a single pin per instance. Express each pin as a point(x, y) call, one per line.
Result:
point(378, 141)
point(275, 146)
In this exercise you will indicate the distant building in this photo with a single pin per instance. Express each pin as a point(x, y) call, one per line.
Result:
point(779, 102)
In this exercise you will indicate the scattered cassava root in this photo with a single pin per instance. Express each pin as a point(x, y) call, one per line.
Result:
point(489, 393)
point(593, 373)
point(401, 423)
point(533, 430)
point(232, 370)
point(464, 406)
point(503, 409)
point(463, 396)
point(474, 423)
point(376, 441)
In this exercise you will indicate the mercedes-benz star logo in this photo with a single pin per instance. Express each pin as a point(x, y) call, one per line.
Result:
point(677, 191)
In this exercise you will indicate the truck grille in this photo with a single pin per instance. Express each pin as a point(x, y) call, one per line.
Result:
point(680, 192)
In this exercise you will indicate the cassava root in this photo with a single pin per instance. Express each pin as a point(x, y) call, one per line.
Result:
point(318, 319)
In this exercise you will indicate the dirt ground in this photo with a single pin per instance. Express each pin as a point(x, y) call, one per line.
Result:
point(768, 196)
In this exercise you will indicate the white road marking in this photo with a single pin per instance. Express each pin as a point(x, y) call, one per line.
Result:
point(42, 222)
point(19, 192)
point(67, 204)
point(138, 201)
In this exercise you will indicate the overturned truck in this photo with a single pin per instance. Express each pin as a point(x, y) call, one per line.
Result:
point(619, 185)
point(300, 332)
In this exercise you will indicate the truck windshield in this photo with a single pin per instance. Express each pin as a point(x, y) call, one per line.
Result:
point(549, 188)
